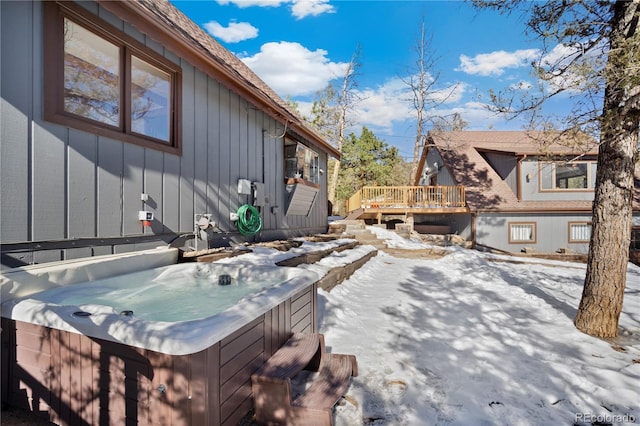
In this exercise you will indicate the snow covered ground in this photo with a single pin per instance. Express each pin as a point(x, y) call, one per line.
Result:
point(479, 339)
point(472, 339)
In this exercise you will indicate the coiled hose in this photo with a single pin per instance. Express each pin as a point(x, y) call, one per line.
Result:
point(249, 221)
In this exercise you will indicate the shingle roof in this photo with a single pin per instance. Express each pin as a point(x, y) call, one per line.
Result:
point(485, 190)
point(168, 19)
point(521, 142)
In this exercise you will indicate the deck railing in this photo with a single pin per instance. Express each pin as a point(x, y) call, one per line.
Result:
point(406, 197)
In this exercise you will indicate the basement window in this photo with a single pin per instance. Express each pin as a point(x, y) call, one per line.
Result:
point(102, 81)
point(579, 232)
point(522, 232)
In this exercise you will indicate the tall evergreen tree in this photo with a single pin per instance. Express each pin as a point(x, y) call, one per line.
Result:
point(367, 160)
point(602, 63)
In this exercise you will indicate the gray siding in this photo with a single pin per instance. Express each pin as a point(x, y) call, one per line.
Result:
point(458, 223)
point(444, 177)
point(61, 184)
point(552, 231)
point(506, 167)
point(531, 186)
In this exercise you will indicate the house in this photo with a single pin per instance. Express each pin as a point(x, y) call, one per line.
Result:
point(125, 127)
point(524, 191)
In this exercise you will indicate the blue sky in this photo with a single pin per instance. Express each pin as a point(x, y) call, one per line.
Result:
point(299, 46)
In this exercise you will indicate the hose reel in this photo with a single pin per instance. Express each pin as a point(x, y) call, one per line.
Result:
point(249, 221)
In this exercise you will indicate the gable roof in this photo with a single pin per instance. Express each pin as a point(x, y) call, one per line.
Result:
point(485, 190)
point(166, 24)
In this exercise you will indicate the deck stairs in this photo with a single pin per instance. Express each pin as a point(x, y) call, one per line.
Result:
point(355, 214)
point(356, 229)
point(276, 402)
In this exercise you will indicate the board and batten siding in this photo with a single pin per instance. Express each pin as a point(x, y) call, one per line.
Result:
point(506, 167)
point(530, 183)
point(552, 231)
point(83, 192)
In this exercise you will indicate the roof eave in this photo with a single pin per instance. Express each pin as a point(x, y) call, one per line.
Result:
point(139, 16)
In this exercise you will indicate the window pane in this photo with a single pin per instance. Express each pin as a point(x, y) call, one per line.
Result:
point(571, 176)
point(546, 173)
point(635, 239)
point(301, 162)
point(580, 232)
point(91, 75)
point(522, 232)
point(592, 179)
point(150, 100)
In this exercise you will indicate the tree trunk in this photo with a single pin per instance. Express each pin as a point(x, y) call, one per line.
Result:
point(413, 178)
point(605, 280)
point(345, 102)
point(333, 184)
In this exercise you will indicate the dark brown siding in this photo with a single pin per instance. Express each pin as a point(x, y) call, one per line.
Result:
point(73, 379)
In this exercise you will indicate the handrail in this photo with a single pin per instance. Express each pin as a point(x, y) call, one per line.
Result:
point(403, 197)
point(355, 201)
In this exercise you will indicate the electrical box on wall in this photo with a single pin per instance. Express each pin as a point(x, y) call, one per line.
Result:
point(244, 186)
point(145, 215)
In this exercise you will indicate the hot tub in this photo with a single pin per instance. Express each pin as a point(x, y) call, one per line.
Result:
point(174, 341)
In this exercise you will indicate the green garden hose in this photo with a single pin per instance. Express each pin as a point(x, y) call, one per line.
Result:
point(249, 221)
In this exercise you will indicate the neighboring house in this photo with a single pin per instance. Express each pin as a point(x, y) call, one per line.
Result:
point(522, 191)
point(113, 108)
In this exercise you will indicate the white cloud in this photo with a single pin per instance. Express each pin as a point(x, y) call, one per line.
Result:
point(495, 63)
point(389, 104)
point(559, 57)
point(521, 85)
point(380, 107)
point(299, 9)
point(561, 54)
point(292, 70)
point(450, 94)
point(479, 117)
point(304, 8)
point(304, 107)
point(235, 32)
point(249, 3)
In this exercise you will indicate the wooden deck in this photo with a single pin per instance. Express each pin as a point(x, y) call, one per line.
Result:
point(376, 201)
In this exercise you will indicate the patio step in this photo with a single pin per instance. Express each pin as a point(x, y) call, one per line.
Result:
point(274, 400)
point(357, 230)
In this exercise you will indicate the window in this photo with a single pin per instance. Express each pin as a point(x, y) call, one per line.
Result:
point(104, 82)
point(635, 239)
point(579, 232)
point(301, 162)
point(522, 232)
point(572, 176)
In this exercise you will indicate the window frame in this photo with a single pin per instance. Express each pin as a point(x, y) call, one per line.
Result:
point(634, 242)
point(287, 140)
point(54, 110)
point(590, 177)
point(534, 239)
point(569, 236)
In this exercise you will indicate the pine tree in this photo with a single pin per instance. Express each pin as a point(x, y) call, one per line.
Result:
point(602, 63)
